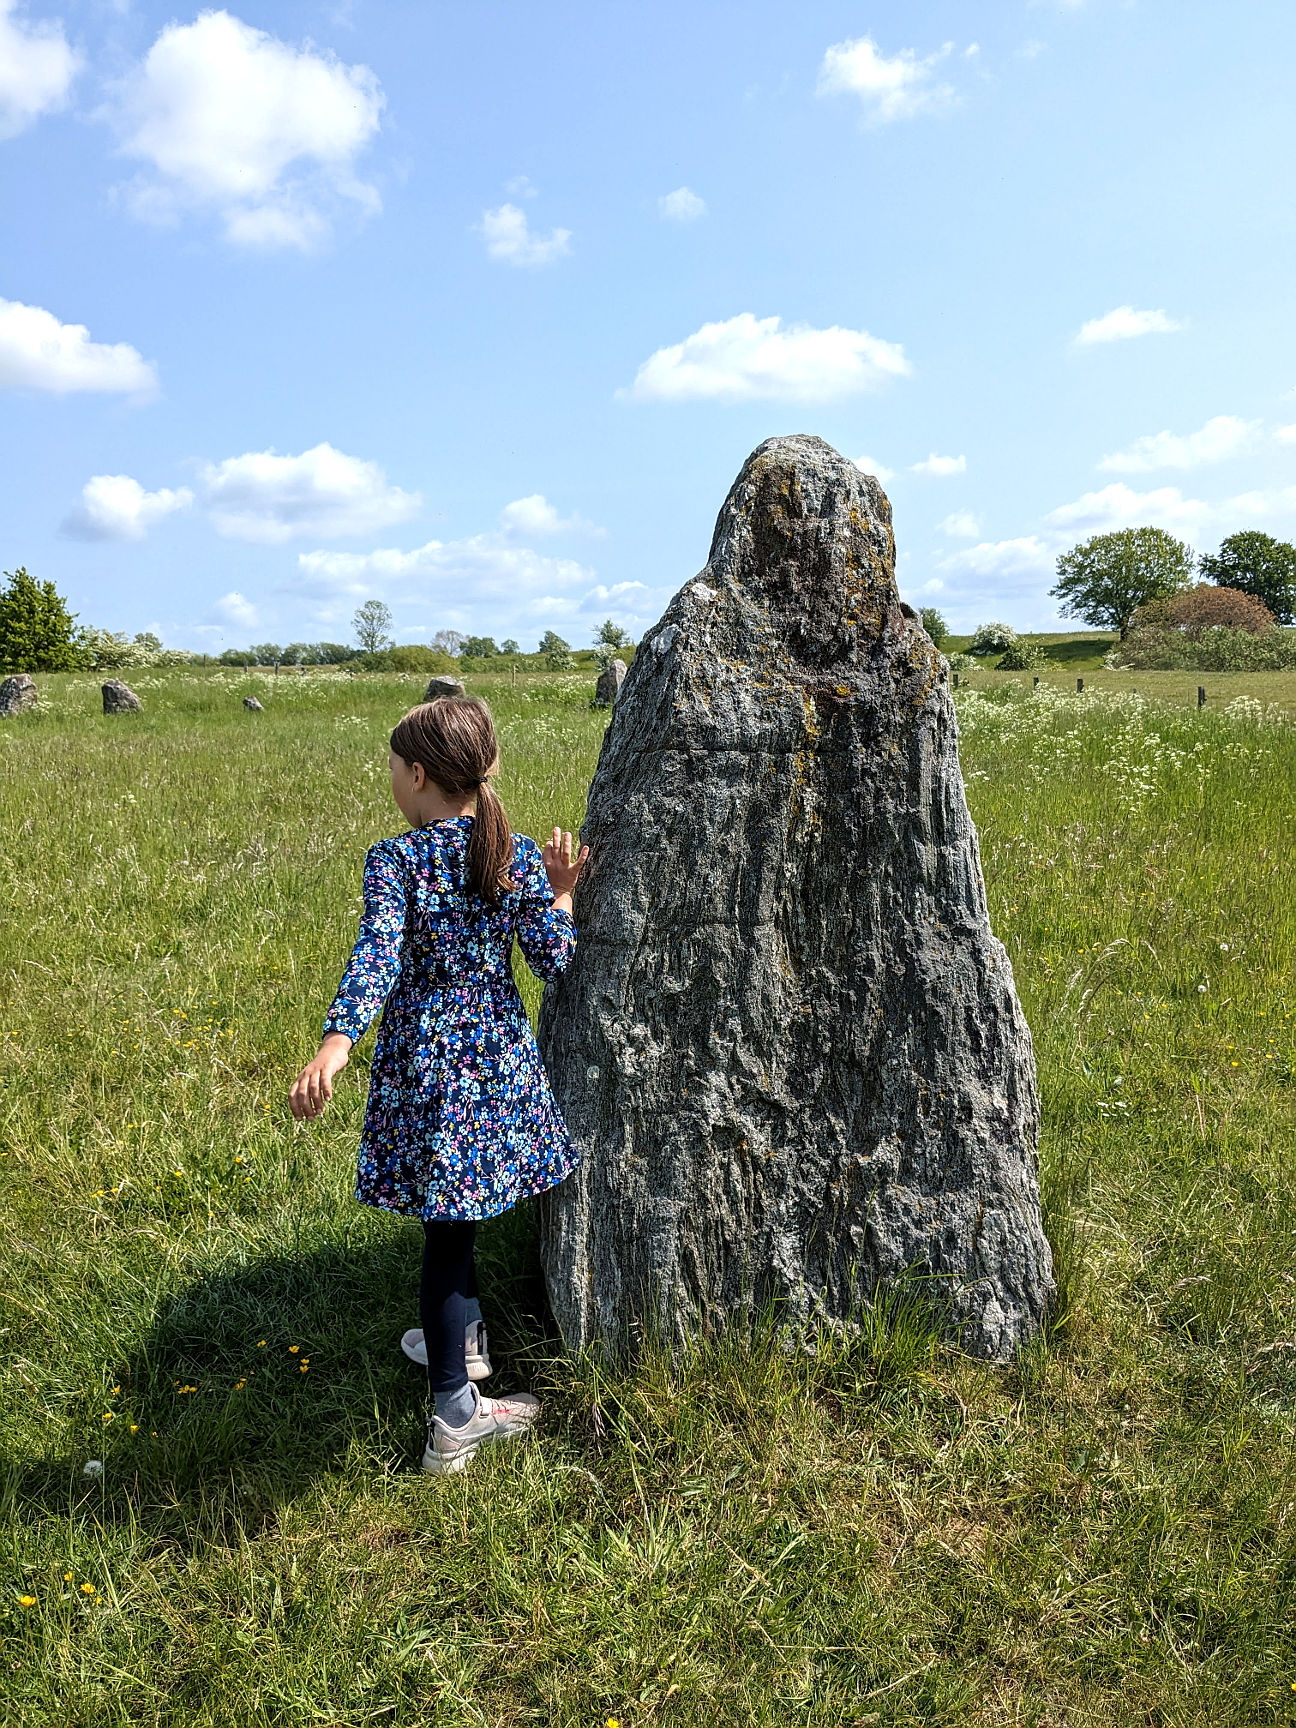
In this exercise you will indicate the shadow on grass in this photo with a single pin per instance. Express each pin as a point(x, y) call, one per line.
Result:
point(260, 1378)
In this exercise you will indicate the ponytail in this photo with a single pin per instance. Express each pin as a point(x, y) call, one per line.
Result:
point(454, 739)
point(490, 847)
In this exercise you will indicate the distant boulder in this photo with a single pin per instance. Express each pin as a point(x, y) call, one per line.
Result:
point(442, 687)
point(252, 705)
point(608, 687)
point(17, 693)
point(119, 698)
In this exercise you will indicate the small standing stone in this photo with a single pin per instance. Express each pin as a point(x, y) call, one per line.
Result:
point(17, 693)
point(608, 687)
point(119, 698)
point(442, 687)
point(252, 705)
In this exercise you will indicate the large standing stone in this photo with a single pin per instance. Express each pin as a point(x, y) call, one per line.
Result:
point(442, 687)
point(789, 1046)
point(17, 693)
point(119, 698)
point(610, 680)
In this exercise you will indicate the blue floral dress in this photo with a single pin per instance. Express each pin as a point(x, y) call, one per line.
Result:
point(461, 1122)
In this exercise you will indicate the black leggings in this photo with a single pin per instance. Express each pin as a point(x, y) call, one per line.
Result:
point(449, 1279)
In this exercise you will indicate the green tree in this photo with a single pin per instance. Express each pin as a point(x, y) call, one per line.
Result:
point(1105, 580)
point(478, 648)
point(37, 632)
point(934, 625)
point(509, 646)
point(371, 624)
point(557, 653)
point(1258, 565)
point(610, 635)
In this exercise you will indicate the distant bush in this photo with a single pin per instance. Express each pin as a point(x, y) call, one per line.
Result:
point(962, 662)
point(1206, 607)
point(414, 657)
point(1217, 648)
point(37, 632)
point(992, 639)
point(934, 625)
point(557, 653)
point(111, 650)
point(1021, 656)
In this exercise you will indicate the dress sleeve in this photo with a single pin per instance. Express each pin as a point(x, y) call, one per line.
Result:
point(375, 960)
point(546, 935)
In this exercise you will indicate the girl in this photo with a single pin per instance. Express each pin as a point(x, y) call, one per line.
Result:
point(460, 1123)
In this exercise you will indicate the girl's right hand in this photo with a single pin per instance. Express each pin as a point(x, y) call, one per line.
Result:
point(313, 1087)
point(560, 867)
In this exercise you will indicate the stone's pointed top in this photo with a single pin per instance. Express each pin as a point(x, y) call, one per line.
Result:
point(442, 687)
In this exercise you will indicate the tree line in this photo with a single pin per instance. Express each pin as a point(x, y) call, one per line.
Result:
point(38, 633)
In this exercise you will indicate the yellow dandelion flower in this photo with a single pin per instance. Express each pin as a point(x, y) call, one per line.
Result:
point(88, 1589)
point(261, 1343)
point(134, 1427)
point(26, 1601)
point(67, 1577)
point(293, 1349)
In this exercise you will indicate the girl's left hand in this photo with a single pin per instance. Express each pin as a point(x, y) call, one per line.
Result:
point(561, 869)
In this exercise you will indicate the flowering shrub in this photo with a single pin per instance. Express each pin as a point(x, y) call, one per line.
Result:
point(992, 639)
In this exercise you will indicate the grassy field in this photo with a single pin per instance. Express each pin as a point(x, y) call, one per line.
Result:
point(1104, 1533)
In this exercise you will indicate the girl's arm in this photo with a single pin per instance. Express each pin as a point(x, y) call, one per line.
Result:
point(371, 972)
point(545, 931)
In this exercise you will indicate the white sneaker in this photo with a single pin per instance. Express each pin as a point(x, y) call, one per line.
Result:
point(452, 1449)
point(475, 1350)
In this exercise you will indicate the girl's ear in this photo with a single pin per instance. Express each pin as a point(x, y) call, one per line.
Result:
point(418, 776)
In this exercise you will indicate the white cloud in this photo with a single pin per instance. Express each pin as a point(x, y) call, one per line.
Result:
point(890, 89)
point(941, 467)
point(484, 582)
point(537, 517)
point(37, 66)
point(960, 525)
point(269, 498)
point(1119, 506)
point(681, 205)
point(39, 353)
point(115, 507)
point(747, 359)
point(520, 186)
point(509, 239)
point(879, 470)
point(1286, 434)
point(1124, 322)
point(234, 609)
point(1216, 441)
point(262, 133)
point(1028, 556)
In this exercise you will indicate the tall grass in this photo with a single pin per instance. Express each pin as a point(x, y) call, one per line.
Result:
point(877, 1532)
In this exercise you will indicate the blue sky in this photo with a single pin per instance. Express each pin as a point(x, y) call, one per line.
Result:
point(480, 308)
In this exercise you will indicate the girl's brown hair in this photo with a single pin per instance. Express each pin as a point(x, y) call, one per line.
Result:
point(454, 738)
